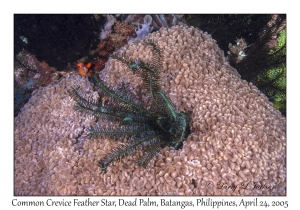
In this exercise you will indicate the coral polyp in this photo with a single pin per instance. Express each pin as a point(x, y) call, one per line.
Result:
point(146, 127)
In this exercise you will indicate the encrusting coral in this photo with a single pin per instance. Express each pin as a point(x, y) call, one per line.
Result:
point(237, 136)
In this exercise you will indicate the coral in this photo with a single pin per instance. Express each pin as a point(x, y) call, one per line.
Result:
point(142, 32)
point(265, 63)
point(226, 28)
point(100, 64)
point(117, 40)
point(147, 129)
point(30, 69)
point(274, 27)
point(105, 48)
point(96, 59)
point(124, 29)
point(116, 33)
point(113, 36)
point(254, 61)
point(237, 136)
point(30, 74)
point(153, 21)
point(121, 33)
point(107, 26)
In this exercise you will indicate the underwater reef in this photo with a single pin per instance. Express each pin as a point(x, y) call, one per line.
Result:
point(57, 39)
point(258, 51)
point(153, 21)
point(142, 128)
point(237, 136)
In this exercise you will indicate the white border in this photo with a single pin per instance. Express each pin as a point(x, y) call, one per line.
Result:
point(152, 6)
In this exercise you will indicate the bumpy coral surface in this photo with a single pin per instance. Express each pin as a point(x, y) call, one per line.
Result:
point(237, 144)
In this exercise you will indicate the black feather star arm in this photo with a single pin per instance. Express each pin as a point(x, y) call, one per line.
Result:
point(146, 129)
point(128, 149)
point(122, 132)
